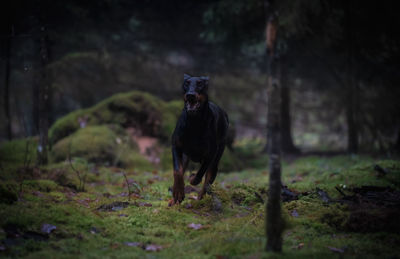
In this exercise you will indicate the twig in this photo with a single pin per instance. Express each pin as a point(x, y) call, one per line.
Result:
point(81, 187)
point(340, 191)
point(127, 184)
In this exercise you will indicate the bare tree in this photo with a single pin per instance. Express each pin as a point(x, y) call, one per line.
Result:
point(44, 99)
point(274, 224)
point(7, 82)
point(287, 144)
point(351, 84)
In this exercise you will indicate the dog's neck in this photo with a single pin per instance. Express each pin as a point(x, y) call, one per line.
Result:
point(199, 117)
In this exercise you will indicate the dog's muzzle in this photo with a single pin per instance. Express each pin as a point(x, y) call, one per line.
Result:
point(192, 103)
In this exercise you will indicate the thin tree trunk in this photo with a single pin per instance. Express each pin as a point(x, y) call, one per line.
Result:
point(44, 100)
point(397, 144)
point(274, 226)
point(286, 128)
point(352, 100)
point(351, 116)
point(7, 88)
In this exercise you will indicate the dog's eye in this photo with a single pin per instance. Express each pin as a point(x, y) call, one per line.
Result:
point(199, 85)
point(186, 84)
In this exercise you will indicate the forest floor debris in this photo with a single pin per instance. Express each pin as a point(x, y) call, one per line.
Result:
point(332, 207)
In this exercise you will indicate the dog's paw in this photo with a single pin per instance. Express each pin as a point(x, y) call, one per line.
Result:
point(178, 195)
point(171, 202)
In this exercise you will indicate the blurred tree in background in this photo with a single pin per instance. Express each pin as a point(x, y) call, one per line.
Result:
point(339, 63)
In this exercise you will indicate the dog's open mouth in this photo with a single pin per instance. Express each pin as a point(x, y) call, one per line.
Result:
point(193, 106)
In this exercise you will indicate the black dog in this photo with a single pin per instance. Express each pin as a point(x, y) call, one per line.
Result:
point(200, 135)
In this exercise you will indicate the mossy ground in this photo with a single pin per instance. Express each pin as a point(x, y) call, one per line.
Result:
point(107, 200)
point(233, 230)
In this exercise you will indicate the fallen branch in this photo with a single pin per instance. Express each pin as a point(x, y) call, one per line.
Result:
point(340, 191)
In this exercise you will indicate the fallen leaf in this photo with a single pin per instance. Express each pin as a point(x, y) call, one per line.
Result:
point(144, 204)
point(114, 246)
point(38, 194)
point(133, 244)
point(153, 248)
point(94, 230)
point(299, 246)
point(337, 250)
point(47, 228)
point(115, 206)
point(193, 197)
point(195, 226)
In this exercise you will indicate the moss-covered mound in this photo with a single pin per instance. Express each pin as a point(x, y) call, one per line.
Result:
point(143, 111)
point(96, 143)
point(100, 144)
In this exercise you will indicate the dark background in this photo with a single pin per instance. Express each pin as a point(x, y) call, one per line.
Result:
point(339, 60)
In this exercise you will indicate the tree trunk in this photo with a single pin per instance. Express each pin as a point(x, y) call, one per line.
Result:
point(286, 129)
point(351, 116)
point(44, 99)
point(352, 94)
point(274, 226)
point(397, 144)
point(7, 87)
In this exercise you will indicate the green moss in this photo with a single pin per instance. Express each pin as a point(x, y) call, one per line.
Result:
point(229, 162)
point(243, 194)
point(40, 185)
point(101, 144)
point(236, 231)
point(95, 143)
point(166, 159)
point(170, 116)
point(14, 153)
point(65, 126)
point(141, 110)
point(133, 159)
point(248, 153)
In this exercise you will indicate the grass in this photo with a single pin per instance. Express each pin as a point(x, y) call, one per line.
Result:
point(236, 231)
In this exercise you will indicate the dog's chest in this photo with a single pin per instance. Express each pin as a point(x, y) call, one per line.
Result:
point(195, 144)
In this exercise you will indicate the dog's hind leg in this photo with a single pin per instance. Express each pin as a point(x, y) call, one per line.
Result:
point(195, 179)
point(220, 152)
point(211, 173)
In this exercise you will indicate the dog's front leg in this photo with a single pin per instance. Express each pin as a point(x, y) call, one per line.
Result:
point(178, 190)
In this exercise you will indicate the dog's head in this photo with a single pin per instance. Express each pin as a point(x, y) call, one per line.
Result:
point(194, 93)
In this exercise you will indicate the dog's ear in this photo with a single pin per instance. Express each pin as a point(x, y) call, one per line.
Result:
point(205, 79)
point(185, 85)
